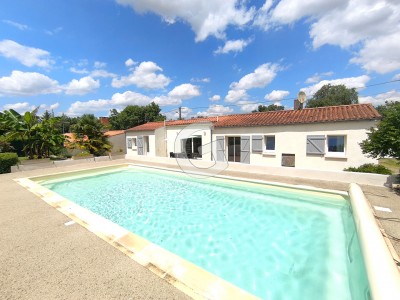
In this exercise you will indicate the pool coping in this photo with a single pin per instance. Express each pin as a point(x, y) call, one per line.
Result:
point(199, 284)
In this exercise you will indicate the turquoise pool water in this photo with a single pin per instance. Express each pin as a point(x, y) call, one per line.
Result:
point(274, 242)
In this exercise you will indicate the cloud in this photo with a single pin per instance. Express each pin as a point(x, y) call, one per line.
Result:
point(121, 100)
point(186, 113)
point(381, 55)
point(20, 26)
point(380, 99)
point(233, 46)
point(27, 84)
point(236, 95)
point(102, 73)
point(215, 110)
point(205, 80)
point(145, 76)
point(260, 78)
point(49, 107)
point(350, 82)
point(78, 71)
point(318, 76)
point(396, 77)
point(369, 26)
point(99, 64)
point(53, 31)
point(19, 107)
point(276, 95)
point(82, 86)
point(205, 18)
point(27, 56)
point(247, 106)
point(130, 62)
point(215, 98)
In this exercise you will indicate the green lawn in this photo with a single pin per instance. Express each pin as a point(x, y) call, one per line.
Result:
point(391, 163)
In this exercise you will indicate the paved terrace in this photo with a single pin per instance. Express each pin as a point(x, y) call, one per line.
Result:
point(41, 258)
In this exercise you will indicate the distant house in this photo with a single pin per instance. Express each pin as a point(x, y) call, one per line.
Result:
point(325, 138)
point(117, 139)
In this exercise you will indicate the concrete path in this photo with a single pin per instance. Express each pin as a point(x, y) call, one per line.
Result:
point(41, 258)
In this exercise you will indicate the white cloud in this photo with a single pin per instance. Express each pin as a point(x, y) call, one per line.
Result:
point(396, 77)
point(371, 26)
point(145, 76)
point(380, 99)
point(215, 110)
point(261, 77)
point(350, 82)
point(78, 71)
point(17, 25)
point(205, 80)
point(184, 91)
point(99, 64)
point(166, 101)
point(27, 84)
point(205, 17)
point(186, 113)
point(53, 31)
point(215, 98)
point(82, 86)
point(247, 106)
point(276, 95)
point(27, 56)
point(233, 46)
point(49, 107)
point(236, 95)
point(318, 76)
point(381, 55)
point(19, 107)
point(102, 73)
point(130, 98)
point(130, 62)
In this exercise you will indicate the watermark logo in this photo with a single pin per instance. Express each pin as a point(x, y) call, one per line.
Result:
point(197, 154)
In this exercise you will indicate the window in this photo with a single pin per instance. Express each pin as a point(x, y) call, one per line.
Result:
point(270, 143)
point(336, 143)
point(134, 142)
point(129, 142)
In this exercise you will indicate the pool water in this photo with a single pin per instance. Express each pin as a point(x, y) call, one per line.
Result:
point(274, 242)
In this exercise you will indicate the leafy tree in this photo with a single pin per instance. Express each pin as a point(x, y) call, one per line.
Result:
point(134, 115)
point(331, 95)
point(88, 133)
point(271, 107)
point(384, 140)
point(39, 138)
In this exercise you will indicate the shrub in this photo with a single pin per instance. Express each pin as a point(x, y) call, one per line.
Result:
point(370, 168)
point(6, 161)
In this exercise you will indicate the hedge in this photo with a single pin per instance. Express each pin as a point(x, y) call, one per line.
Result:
point(6, 161)
point(370, 168)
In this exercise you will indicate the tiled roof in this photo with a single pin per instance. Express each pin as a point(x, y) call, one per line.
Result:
point(284, 117)
point(114, 132)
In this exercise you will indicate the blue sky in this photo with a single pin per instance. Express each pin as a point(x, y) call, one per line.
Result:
point(209, 57)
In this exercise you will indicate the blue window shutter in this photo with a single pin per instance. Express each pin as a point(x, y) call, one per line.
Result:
point(256, 143)
point(315, 144)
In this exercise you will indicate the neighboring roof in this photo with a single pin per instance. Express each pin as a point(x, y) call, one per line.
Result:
point(114, 132)
point(340, 113)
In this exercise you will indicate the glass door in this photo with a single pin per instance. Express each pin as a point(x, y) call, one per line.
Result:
point(234, 148)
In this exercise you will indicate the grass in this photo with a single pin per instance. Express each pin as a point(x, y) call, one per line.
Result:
point(391, 163)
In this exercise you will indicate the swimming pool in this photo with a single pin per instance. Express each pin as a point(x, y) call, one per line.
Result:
point(274, 242)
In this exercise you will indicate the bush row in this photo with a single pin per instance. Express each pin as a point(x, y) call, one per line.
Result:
point(370, 168)
point(6, 161)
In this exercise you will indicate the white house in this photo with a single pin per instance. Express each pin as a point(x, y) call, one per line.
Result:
point(325, 138)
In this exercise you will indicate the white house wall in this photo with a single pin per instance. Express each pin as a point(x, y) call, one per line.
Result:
point(292, 139)
point(131, 153)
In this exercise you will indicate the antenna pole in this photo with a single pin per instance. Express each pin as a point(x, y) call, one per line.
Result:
point(180, 113)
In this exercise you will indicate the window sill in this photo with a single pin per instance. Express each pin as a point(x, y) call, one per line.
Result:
point(338, 156)
point(269, 153)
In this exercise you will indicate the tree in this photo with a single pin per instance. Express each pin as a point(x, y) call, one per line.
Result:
point(331, 95)
point(134, 115)
point(384, 140)
point(88, 134)
point(271, 107)
point(39, 138)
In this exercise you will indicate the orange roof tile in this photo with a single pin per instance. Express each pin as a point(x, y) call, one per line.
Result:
point(283, 117)
point(113, 132)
